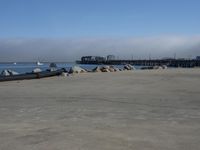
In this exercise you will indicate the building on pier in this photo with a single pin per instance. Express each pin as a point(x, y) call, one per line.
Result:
point(92, 58)
point(197, 57)
point(110, 57)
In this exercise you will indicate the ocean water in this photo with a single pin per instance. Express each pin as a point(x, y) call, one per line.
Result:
point(28, 67)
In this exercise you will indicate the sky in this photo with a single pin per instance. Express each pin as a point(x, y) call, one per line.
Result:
point(65, 30)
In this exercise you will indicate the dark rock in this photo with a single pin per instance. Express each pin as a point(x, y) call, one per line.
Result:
point(96, 69)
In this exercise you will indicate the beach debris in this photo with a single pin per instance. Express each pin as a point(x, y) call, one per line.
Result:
point(113, 69)
point(96, 69)
point(64, 74)
point(8, 73)
point(77, 69)
point(164, 66)
point(157, 67)
point(128, 67)
point(37, 70)
point(117, 69)
point(105, 69)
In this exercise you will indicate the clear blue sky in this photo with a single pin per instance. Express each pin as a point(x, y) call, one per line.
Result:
point(98, 18)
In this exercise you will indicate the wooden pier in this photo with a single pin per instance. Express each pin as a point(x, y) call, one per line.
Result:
point(154, 62)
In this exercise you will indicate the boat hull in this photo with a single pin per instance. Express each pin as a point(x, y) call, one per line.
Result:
point(27, 76)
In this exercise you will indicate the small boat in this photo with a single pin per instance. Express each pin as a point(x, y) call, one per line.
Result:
point(14, 63)
point(39, 63)
point(33, 75)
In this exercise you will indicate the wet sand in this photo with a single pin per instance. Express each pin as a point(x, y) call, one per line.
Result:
point(141, 110)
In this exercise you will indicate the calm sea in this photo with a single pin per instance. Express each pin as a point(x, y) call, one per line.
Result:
point(28, 67)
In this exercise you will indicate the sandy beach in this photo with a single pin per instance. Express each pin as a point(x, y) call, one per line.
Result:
point(130, 110)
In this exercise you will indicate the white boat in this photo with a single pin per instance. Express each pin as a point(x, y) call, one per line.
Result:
point(39, 63)
point(14, 63)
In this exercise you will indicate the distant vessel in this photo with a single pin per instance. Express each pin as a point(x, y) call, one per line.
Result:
point(14, 63)
point(39, 63)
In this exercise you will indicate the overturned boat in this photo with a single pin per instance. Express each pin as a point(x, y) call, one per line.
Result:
point(32, 75)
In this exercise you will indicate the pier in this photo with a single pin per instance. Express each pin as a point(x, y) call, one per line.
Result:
point(154, 62)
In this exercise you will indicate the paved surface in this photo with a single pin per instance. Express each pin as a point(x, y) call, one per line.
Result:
point(141, 110)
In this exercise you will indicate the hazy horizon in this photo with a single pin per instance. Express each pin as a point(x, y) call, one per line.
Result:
point(65, 49)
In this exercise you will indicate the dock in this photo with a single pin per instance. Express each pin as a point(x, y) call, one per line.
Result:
point(154, 62)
